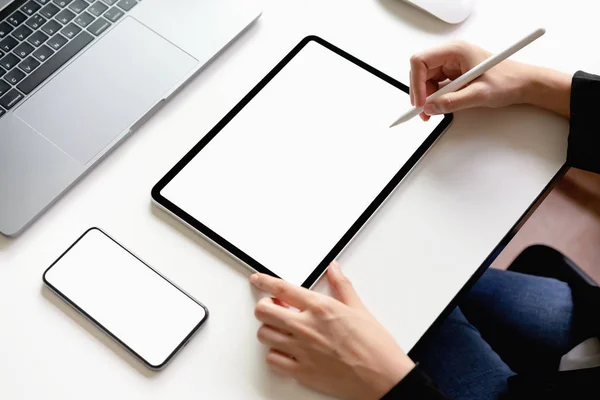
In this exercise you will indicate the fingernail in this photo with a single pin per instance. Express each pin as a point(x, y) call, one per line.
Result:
point(431, 109)
point(254, 278)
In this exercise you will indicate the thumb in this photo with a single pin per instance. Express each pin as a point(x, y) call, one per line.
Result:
point(342, 288)
point(468, 97)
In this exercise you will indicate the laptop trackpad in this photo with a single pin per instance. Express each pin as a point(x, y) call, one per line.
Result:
point(106, 90)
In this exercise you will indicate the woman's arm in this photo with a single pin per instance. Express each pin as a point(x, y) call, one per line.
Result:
point(576, 98)
point(508, 83)
point(546, 88)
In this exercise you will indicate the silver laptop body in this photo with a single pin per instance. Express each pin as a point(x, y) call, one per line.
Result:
point(77, 76)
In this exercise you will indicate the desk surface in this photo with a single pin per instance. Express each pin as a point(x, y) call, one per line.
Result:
point(408, 263)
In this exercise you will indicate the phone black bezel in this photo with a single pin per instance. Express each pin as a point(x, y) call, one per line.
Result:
point(108, 332)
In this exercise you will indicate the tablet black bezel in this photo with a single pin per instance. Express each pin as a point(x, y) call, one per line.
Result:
point(364, 217)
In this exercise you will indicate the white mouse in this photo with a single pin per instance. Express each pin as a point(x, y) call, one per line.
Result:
point(451, 11)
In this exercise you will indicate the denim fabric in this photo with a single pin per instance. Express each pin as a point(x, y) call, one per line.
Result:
point(508, 323)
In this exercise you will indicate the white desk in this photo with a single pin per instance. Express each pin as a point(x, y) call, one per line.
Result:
point(407, 264)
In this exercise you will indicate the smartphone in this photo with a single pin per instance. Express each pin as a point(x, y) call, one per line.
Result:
point(125, 297)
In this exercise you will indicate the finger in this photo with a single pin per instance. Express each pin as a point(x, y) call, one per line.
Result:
point(293, 295)
point(413, 86)
point(267, 312)
point(281, 362)
point(283, 332)
point(342, 288)
point(436, 74)
point(426, 65)
point(276, 339)
point(280, 303)
point(471, 96)
point(433, 77)
point(431, 87)
point(410, 90)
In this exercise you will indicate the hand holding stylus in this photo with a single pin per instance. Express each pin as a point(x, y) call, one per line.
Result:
point(435, 66)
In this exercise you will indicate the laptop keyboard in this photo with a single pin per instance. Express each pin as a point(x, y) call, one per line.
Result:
point(42, 35)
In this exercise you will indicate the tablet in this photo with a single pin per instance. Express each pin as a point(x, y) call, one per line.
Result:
point(287, 178)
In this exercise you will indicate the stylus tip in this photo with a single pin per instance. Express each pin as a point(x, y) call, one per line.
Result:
point(399, 121)
point(407, 116)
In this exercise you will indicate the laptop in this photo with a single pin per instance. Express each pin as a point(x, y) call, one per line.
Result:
point(77, 76)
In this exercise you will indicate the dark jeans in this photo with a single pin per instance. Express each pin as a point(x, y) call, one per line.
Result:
point(508, 324)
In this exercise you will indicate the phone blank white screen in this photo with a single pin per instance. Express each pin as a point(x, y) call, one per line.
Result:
point(291, 173)
point(130, 300)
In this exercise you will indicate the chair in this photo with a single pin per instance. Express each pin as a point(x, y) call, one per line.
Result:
point(541, 260)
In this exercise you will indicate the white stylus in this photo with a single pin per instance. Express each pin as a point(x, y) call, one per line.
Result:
point(472, 74)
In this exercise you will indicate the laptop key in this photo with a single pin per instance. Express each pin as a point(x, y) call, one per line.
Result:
point(43, 53)
point(110, 2)
point(8, 44)
point(10, 99)
point(42, 2)
point(51, 27)
point(127, 5)
point(30, 7)
point(57, 41)
point(2, 72)
point(49, 11)
point(15, 76)
point(4, 87)
point(22, 32)
point(9, 61)
point(70, 30)
point(78, 6)
point(84, 20)
point(29, 64)
point(23, 50)
point(62, 3)
point(17, 18)
point(5, 29)
point(97, 8)
point(35, 22)
point(65, 16)
point(114, 14)
point(99, 26)
point(37, 39)
point(55, 62)
point(2, 112)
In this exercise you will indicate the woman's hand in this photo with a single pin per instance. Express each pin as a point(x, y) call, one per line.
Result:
point(507, 83)
point(333, 345)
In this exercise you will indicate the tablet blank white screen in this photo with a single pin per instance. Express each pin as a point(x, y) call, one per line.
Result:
point(291, 173)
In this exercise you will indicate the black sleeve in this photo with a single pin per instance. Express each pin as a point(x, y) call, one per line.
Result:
point(415, 385)
point(584, 136)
